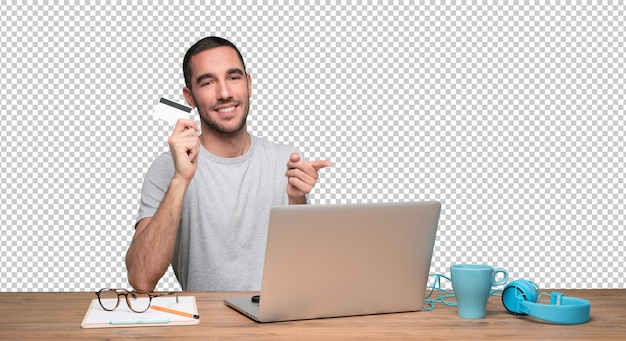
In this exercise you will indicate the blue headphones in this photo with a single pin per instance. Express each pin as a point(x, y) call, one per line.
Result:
point(520, 297)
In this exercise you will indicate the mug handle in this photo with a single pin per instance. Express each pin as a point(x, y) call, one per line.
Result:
point(503, 280)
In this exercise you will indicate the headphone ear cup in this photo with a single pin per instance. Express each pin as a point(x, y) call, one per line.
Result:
point(517, 292)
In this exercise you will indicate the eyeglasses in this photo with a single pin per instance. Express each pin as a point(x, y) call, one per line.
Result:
point(138, 301)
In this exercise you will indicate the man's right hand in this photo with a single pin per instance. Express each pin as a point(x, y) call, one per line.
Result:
point(185, 147)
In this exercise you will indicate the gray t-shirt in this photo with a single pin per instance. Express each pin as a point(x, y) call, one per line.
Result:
point(223, 229)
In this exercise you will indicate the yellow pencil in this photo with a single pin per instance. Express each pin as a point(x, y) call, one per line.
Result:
point(172, 311)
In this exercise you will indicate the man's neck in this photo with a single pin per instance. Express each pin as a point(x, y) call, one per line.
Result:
point(226, 145)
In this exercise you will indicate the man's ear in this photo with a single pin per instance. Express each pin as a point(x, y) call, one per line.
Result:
point(249, 85)
point(189, 97)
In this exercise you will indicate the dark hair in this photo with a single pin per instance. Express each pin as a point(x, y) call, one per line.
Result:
point(203, 45)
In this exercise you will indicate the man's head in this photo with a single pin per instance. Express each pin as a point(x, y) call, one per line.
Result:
point(218, 85)
point(203, 45)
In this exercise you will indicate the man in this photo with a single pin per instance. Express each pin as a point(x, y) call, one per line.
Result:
point(205, 204)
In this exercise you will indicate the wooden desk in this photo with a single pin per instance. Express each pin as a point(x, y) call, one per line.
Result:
point(54, 316)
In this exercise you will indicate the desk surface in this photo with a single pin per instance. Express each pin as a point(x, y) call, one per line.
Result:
point(58, 316)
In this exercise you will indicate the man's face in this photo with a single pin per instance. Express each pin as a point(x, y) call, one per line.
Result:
point(220, 89)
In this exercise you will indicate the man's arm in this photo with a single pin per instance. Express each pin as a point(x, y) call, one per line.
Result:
point(152, 248)
point(301, 177)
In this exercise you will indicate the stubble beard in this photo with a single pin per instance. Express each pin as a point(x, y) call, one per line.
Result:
point(220, 128)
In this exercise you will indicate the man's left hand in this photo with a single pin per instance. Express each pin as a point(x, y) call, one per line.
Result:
point(301, 177)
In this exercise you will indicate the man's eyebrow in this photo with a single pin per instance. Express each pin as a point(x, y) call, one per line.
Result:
point(232, 71)
point(203, 77)
point(236, 71)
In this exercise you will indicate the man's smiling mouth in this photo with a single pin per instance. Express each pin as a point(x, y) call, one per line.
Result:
point(226, 110)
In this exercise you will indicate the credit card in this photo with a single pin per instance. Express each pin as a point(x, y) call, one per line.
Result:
point(170, 111)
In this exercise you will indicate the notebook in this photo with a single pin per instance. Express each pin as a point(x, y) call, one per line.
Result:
point(122, 316)
point(344, 260)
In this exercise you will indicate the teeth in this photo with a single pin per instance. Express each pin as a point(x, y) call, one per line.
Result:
point(225, 110)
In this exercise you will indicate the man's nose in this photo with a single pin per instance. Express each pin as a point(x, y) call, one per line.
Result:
point(223, 91)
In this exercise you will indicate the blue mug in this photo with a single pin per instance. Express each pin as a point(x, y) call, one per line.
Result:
point(472, 284)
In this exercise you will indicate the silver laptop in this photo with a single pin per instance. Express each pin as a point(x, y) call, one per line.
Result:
point(344, 260)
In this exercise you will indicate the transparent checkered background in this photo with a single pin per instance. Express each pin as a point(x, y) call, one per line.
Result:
point(511, 115)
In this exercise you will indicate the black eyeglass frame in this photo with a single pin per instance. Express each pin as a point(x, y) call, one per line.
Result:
point(125, 293)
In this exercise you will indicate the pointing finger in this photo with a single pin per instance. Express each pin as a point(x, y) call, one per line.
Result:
point(319, 164)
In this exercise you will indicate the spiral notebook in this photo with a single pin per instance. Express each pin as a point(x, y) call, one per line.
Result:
point(122, 316)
